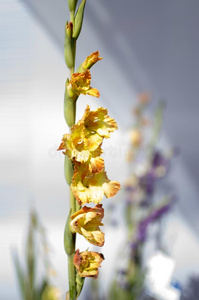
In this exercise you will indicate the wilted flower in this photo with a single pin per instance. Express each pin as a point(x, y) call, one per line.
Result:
point(90, 61)
point(87, 263)
point(80, 84)
point(88, 187)
point(86, 221)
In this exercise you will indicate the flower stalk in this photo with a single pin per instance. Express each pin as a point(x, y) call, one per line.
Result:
point(83, 167)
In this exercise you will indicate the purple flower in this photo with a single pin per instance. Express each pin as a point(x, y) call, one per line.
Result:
point(130, 188)
point(147, 182)
point(152, 217)
point(159, 160)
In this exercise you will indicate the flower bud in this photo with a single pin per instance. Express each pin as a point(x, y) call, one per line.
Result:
point(72, 5)
point(68, 53)
point(79, 20)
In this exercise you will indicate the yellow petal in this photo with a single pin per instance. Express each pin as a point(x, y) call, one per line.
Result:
point(93, 140)
point(93, 92)
point(88, 187)
point(96, 164)
point(80, 84)
point(75, 146)
point(94, 237)
point(91, 60)
point(99, 122)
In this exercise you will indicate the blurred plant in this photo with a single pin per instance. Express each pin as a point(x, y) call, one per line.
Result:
point(140, 209)
point(191, 290)
point(28, 275)
point(147, 165)
point(84, 166)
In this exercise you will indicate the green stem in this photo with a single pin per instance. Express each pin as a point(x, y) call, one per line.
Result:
point(70, 115)
point(69, 111)
point(71, 267)
point(72, 203)
point(72, 278)
point(73, 46)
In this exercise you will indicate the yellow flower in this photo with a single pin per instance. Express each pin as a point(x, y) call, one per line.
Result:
point(87, 263)
point(80, 84)
point(88, 187)
point(75, 147)
point(98, 125)
point(86, 221)
point(90, 61)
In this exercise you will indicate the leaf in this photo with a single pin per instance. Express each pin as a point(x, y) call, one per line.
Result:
point(20, 274)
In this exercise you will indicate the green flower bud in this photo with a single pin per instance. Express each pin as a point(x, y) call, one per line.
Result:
point(72, 4)
point(79, 20)
point(68, 53)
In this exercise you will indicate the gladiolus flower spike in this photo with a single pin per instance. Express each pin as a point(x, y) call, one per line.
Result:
point(84, 166)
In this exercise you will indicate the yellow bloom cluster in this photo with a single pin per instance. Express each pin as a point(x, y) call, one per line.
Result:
point(89, 182)
point(83, 146)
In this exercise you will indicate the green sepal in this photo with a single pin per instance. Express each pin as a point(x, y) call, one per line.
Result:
point(72, 278)
point(69, 244)
point(79, 284)
point(69, 107)
point(79, 19)
point(68, 169)
point(68, 49)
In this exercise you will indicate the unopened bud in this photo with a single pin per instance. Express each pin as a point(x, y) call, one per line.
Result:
point(72, 4)
point(79, 19)
point(68, 54)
